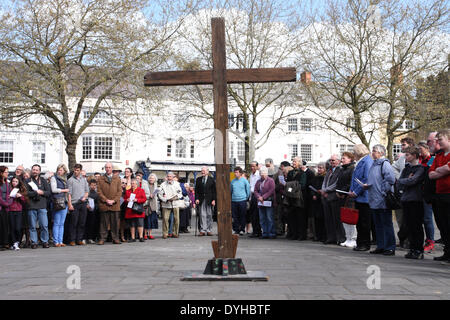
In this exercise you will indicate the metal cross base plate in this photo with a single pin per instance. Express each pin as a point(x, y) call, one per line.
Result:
point(249, 276)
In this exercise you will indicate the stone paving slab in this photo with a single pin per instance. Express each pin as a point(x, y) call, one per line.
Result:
point(297, 270)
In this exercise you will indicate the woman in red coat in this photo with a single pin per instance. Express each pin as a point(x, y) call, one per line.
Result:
point(135, 219)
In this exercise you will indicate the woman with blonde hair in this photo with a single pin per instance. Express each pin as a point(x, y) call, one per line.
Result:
point(60, 192)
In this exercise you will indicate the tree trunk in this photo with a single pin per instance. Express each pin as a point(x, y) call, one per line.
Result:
point(389, 150)
point(71, 147)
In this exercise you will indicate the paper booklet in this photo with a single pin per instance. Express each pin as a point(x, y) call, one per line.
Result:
point(340, 191)
point(359, 182)
point(14, 192)
point(33, 186)
point(130, 202)
point(313, 189)
point(265, 204)
point(91, 203)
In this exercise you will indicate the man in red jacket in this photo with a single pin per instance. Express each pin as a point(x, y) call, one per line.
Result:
point(440, 171)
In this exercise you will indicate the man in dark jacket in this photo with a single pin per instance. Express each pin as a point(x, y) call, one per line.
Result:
point(333, 226)
point(205, 200)
point(297, 216)
point(38, 192)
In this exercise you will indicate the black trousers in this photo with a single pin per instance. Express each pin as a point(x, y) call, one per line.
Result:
point(319, 222)
point(333, 225)
point(364, 224)
point(15, 226)
point(254, 216)
point(184, 218)
point(441, 209)
point(413, 214)
point(92, 225)
point(78, 221)
point(4, 228)
point(297, 223)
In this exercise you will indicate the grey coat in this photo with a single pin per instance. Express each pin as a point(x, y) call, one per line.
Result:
point(330, 182)
point(381, 179)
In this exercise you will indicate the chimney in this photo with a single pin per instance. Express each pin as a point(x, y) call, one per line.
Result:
point(305, 77)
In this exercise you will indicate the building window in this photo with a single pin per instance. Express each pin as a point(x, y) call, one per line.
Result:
point(396, 150)
point(241, 151)
point(169, 147)
point(38, 155)
point(292, 125)
point(100, 148)
point(101, 118)
point(306, 152)
point(6, 151)
point(306, 124)
point(293, 150)
point(192, 149)
point(103, 148)
point(350, 124)
point(240, 123)
point(87, 148)
point(180, 148)
point(409, 124)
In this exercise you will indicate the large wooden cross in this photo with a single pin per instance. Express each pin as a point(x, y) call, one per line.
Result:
point(219, 77)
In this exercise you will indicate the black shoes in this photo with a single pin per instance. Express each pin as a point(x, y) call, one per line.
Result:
point(45, 245)
point(414, 254)
point(389, 253)
point(329, 242)
point(361, 248)
point(141, 240)
point(377, 251)
point(442, 258)
point(131, 240)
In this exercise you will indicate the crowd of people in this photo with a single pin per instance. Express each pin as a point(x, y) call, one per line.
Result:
point(292, 201)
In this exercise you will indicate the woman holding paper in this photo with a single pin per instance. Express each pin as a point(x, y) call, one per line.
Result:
point(265, 195)
point(5, 203)
point(135, 219)
point(60, 190)
point(18, 194)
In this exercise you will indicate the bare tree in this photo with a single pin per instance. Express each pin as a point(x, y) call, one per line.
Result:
point(59, 55)
point(365, 57)
point(259, 34)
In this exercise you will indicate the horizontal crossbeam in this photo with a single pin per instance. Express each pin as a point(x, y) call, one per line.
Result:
point(177, 78)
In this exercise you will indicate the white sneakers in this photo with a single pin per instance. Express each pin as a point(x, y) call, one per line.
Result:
point(15, 246)
point(349, 244)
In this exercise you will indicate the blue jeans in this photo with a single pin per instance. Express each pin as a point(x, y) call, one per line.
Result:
point(428, 221)
point(266, 221)
point(33, 217)
point(384, 229)
point(239, 211)
point(59, 217)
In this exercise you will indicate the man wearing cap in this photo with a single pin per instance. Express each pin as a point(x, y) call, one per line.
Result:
point(109, 192)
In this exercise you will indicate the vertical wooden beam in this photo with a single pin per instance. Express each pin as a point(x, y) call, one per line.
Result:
point(221, 139)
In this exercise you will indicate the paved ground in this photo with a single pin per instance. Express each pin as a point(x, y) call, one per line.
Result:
point(152, 270)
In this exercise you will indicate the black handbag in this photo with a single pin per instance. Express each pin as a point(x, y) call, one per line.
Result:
point(59, 203)
point(392, 201)
point(138, 207)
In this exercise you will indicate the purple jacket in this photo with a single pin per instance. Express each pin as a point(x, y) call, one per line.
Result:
point(268, 190)
point(4, 205)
